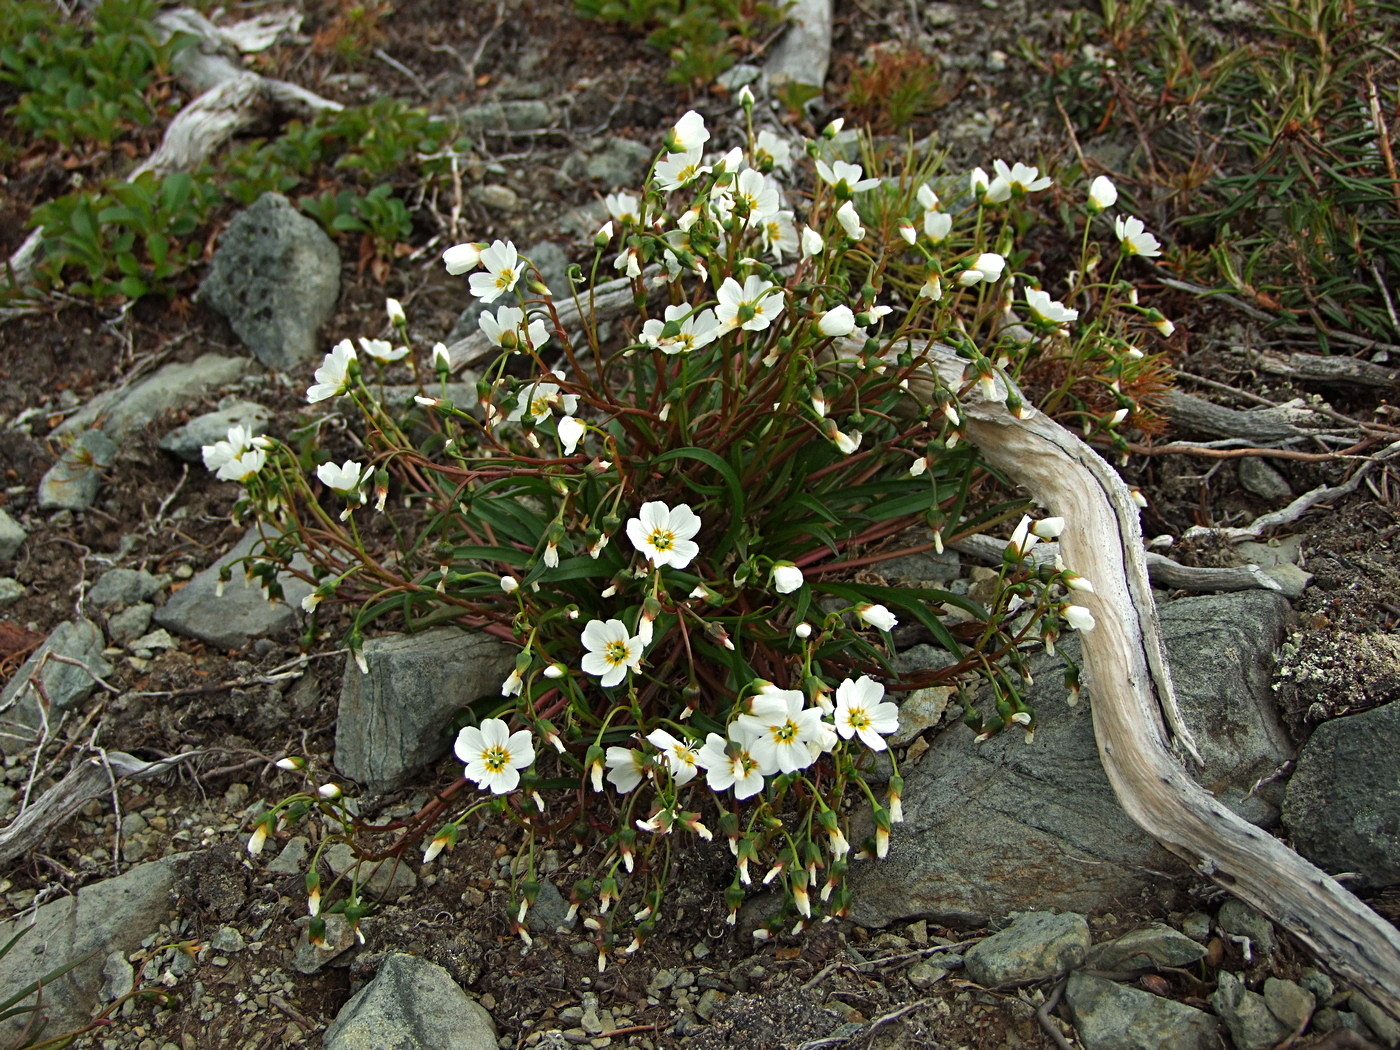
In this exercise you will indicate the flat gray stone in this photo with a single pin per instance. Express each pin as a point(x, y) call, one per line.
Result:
point(11, 536)
point(187, 442)
point(73, 482)
point(1251, 1025)
point(243, 612)
point(119, 412)
point(106, 917)
point(1238, 919)
point(1289, 1002)
point(1109, 1016)
point(393, 720)
point(411, 1004)
point(131, 622)
point(1036, 944)
point(124, 587)
point(1263, 480)
point(1376, 1019)
point(1150, 948)
point(507, 115)
point(387, 879)
point(614, 161)
point(66, 685)
point(276, 276)
point(803, 52)
point(1005, 825)
point(11, 590)
point(1342, 805)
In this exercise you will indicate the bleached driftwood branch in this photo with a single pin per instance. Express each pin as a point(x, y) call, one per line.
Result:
point(231, 100)
point(1131, 691)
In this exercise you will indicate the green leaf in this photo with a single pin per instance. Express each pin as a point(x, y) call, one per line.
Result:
point(725, 471)
point(132, 287)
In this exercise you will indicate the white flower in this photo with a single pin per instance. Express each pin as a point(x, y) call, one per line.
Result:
point(1021, 176)
point(787, 577)
point(1048, 309)
point(509, 584)
point(752, 306)
point(504, 329)
point(462, 257)
point(612, 652)
point(759, 195)
point(688, 134)
point(623, 207)
point(626, 768)
point(570, 432)
point(839, 320)
point(513, 684)
point(1102, 194)
point(779, 234)
point(937, 224)
point(977, 182)
point(696, 328)
point(238, 441)
point(1135, 239)
point(680, 755)
point(730, 763)
point(442, 360)
point(382, 349)
point(1049, 528)
point(502, 268)
point(394, 309)
point(849, 219)
point(1022, 539)
point(1078, 617)
point(860, 711)
point(344, 478)
point(932, 288)
point(333, 377)
point(812, 243)
point(877, 616)
point(928, 199)
point(783, 727)
point(847, 443)
point(846, 178)
point(494, 755)
point(664, 534)
point(803, 630)
point(986, 267)
point(769, 146)
point(676, 170)
point(243, 466)
point(539, 399)
point(1164, 327)
point(627, 262)
point(258, 839)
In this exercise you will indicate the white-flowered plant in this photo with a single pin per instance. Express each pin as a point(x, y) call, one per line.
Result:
point(677, 514)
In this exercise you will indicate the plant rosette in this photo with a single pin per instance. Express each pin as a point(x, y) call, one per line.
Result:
point(680, 525)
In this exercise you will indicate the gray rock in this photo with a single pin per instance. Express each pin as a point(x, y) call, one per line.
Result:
point(1289, 1002)
point(926, 973)
point(927, 569)
point(292, 859)
point(121, 411)
point(1036, 944)
point(11, 590)
point(72, 482)
point(131, 622)
point(1376, 1019)
point(276, 277)
point(550, 911)
point(922, 709)
point(11, 536)
point(123, 587)
point(387, 879)
point(1251, 1025)
point(118, 977)
point(507, 115)
point(1264, 481)
point(1318, 983)
point(803, 52)
point(155, 640)
point(1007, 825)
point(411, 1004)
point(1109, 1016)
point(112, 916)
point(1238, 919)
point(242, 613)
point(188, 441)
point(392, 720)
point(496, 198)
point(64, 684)
point(616, 162)
point(1146, 949)
point(338, 939)
point(1342, 805)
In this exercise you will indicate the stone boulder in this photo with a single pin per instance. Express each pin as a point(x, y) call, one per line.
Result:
point(1008, 826)
point(276, 277)
point(411, 1004)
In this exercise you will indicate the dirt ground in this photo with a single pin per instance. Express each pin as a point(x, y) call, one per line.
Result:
point(155, 514)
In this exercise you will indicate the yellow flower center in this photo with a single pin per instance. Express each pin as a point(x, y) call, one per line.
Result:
point(495, 759)
point(616, 653)
point(785, 733)
point(858, 719)
point(662, 539)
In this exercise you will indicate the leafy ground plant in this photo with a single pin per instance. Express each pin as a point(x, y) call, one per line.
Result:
point(681, 530)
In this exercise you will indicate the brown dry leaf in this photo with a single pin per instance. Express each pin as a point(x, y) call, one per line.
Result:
point(16, 644)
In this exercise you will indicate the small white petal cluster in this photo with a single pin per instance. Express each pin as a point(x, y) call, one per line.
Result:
point(238, 457)
point(1134, 238)
point(664, 533)
point(494, 756)
point(333, 377)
